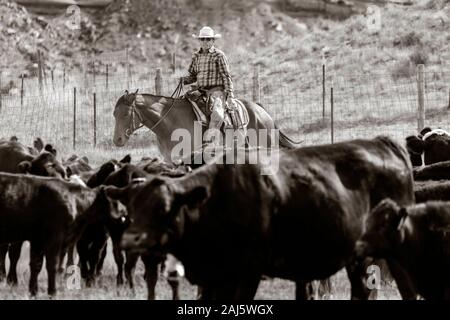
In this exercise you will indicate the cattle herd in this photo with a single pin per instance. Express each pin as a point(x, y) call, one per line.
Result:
point(226, 226)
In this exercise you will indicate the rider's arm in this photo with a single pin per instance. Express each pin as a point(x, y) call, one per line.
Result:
point(224, 71)
point(192, 77)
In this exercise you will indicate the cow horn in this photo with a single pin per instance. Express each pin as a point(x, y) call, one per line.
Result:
point(126, 92)
point(136, 91)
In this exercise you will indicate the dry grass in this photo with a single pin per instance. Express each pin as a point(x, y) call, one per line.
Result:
point(106, 289)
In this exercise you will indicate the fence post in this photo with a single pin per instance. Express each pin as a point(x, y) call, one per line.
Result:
point(323, 91)
point(127, 68)
point(74, 115)
point(95, 120)
point(332, 112)
point(93, 71)
point(53, 80)
point(174, 63)
point(256, 85)
point(85, 70)
point(64, 77)
point(40, 71)
point(0, 91)
point(107, 71)
point(158, 82)
point(21, 89)
point(448, 98)
point(420, 92)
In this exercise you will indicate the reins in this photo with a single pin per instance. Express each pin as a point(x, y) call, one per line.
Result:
point(134, 112)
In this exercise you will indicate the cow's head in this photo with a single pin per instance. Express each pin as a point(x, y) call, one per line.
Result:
point(45, 164)
point(76, 165)
point(383, 230)
point(105, 170)
point(158, 210)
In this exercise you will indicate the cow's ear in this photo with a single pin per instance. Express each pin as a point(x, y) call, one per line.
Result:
point(24, 166)
point(402, 215)
point(425, 131)
point(119, 194)
point(126, 159)
point(38, 144)
point(196, 197)
point(85, 159)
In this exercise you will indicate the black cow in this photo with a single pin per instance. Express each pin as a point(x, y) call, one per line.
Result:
point(51, 214)
point(92, 245)
point(417, 239)
point(127, 263)
point(433, 144)
point(17, 158)
point(229, 224)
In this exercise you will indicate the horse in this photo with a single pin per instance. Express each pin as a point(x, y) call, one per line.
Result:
point(163, 115)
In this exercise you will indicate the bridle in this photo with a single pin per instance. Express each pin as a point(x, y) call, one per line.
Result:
point(135, 114)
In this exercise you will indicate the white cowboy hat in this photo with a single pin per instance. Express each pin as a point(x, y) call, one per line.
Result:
point(207, 32)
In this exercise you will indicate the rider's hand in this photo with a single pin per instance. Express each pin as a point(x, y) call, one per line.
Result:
point(230, 103)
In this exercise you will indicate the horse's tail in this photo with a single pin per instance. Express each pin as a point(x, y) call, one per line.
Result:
point(284, 140)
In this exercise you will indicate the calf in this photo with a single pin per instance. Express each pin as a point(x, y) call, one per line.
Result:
point(123, 178)
point(50, 213)
point(417, 239)
point(92, 244)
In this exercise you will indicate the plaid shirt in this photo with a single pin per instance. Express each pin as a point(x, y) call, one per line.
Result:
point(210, 69)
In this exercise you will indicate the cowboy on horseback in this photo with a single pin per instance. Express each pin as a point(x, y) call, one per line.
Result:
point(209, 68)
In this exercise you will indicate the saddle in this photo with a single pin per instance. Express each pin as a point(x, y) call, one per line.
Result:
point(234, 118)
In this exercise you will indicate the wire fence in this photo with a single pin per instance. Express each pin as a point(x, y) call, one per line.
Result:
point(74, 110)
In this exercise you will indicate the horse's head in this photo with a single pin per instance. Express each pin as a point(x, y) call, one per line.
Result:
point(126, 120)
